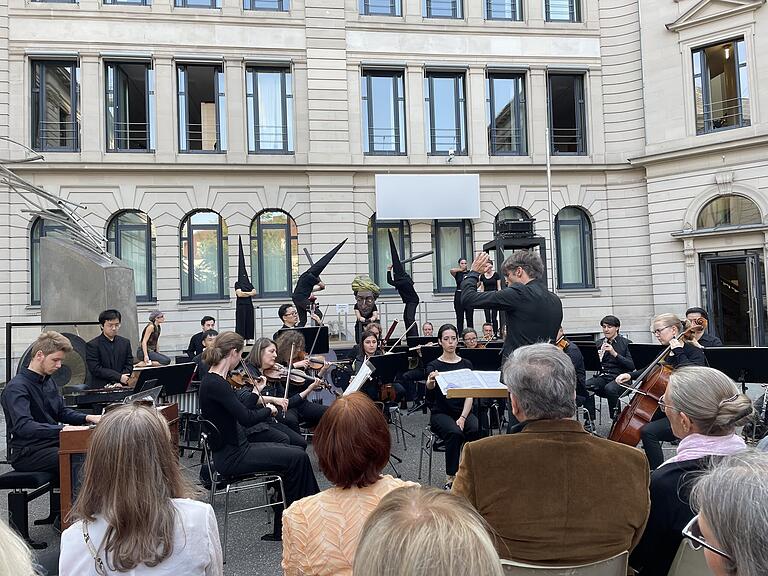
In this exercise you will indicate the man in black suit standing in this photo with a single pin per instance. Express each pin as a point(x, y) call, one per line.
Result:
point(109, 356)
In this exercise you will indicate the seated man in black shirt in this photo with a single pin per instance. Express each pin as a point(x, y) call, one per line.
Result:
point(108, 356)
point(34, 409)
point(196, 342)
point(615, 359)
point(202, 368)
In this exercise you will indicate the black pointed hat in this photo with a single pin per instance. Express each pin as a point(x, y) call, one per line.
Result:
point(318, 267)
point(242, 272)
point(398, 270)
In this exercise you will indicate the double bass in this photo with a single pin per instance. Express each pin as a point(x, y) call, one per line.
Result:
point(645, 402)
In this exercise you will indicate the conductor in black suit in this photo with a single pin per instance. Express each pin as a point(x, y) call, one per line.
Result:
point(108, 356)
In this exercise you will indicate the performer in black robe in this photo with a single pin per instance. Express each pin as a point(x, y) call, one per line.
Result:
point(403, 283)
point(309, 282)
point(245, 291)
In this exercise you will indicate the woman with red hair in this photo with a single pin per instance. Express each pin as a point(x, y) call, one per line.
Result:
point(321, 532)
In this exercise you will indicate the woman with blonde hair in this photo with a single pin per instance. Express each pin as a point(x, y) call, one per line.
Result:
point(15, 557)
point(667, 328)
point(352, 443)
point(704, 407)
point(134, 512)
point(419, 531)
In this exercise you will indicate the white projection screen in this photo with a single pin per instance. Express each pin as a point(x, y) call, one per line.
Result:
point(427, 196)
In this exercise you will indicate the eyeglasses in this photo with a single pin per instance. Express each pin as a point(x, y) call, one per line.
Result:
point(659, 330)
point(664, 406)
point(693, 533)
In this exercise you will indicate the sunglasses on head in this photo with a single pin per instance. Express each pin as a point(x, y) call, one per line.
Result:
point(693, 533)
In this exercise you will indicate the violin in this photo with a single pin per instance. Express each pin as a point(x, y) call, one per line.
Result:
point(240, 377)
point(278, 373)
point(645, 402)
point(562, 343)
point(387, 393)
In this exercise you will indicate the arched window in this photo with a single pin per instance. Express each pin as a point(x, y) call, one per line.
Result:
point(731, 210)
point(203, 245)
point(379, 254)
point(509, 213)
point(451, 240)
point(274, 253)
point(575, 259)
point(131, 237)
point(40, 228)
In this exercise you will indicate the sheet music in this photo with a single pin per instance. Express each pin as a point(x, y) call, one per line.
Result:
point(466, 378)
point(360, 378)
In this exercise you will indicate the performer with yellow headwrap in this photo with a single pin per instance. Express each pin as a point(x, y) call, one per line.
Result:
point(366, 291)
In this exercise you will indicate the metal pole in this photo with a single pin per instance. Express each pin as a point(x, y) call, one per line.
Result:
point(551, 215)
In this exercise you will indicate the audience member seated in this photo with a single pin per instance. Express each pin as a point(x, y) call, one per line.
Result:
point(196, 345)
point(427, 329)
point(108, 356)
point(148, 351)
point(704, 407)
point(15, 556)
point(421, 531)
point(134, 513)
point(732, 522)
point(452, 420)
point(232, 453)
point(202, 367)
point(554, 494)
point(321, 532)
point(34, 409)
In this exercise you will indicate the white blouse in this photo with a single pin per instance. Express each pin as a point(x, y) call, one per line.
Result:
point(196, 546)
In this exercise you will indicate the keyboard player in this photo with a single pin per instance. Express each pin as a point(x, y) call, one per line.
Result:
point(108, 356)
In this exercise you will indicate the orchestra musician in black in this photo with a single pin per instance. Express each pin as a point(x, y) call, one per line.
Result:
point(577, 359)
point(108, 356)
point(613, 351)
point(462, 310)
point(703, 336)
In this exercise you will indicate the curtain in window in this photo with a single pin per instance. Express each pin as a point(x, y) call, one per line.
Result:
point(450, 240)
point(570, 254)
point(270, 110)
point(273, 255)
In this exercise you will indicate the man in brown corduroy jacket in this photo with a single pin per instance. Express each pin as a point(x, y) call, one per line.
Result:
point(552, 493)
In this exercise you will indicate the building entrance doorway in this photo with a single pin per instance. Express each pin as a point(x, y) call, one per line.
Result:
point(734, 291)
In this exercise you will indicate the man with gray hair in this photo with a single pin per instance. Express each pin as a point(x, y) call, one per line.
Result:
point(554, 494)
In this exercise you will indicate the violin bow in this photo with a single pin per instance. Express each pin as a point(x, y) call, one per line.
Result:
point(248, 373)
point(288, 374)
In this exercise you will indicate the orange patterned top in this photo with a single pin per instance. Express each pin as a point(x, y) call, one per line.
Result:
point(321, 532)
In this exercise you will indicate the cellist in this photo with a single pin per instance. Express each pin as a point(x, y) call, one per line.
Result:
point(666, 327)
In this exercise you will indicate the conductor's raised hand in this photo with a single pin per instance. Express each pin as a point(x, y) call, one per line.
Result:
point(478, 265)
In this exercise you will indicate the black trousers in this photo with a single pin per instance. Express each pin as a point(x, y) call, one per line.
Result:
point(444, 425)
point(653, 434)
point(492, 316)
point(410, 380)
point(308, 413)
point(409, 317)
point(302, 308)
point(604, 385)
point(37, 459)
point(462, 312)
point(277, 433)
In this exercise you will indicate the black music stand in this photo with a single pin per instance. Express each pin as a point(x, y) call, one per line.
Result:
point(430, 353)
point(589, 353)
point(420, 340)
point(174, 378)
point(322, 346)
point(741, 363)
point(484, 359)
point(644, 354)
point(387, 366)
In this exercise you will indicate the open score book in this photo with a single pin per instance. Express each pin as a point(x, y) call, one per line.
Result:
point(466, 383)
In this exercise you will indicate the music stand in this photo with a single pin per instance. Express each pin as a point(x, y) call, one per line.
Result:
point(741, 363)
point(174, 378)
point(644, 354)
point(420, 340)
point(591, 357)
point(322, 346)
point(430, 353)
point(388, 366)
point(484, 359)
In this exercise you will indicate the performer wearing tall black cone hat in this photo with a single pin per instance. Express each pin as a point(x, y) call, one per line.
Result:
point(310, 282)
point(403, 283)
point(244, 291)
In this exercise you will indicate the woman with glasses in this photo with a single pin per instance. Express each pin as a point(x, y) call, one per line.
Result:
point(451, 419)
point(667, 328)
point(732, 521)
point(134, 509)
point(704, 407)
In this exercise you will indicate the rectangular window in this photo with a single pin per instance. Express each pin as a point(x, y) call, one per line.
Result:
point(503, 10)
point(567, 121)
point(381, 7)
point(56, 106)
point(274, 5)
point(128, 2)
point(562, 11)
point(202, 108)
point(506, 114)
point(721, 86)
point(130, 95)
point(443, 9)
point(197, 3)
point(451, 240)
point(269, 101)
point(445, 113)
point(383, 112)
point(56, 2)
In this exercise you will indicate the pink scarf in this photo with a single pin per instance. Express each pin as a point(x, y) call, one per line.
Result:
point(696, 446)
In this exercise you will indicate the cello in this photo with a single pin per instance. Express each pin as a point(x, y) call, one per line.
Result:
point(645, 402)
